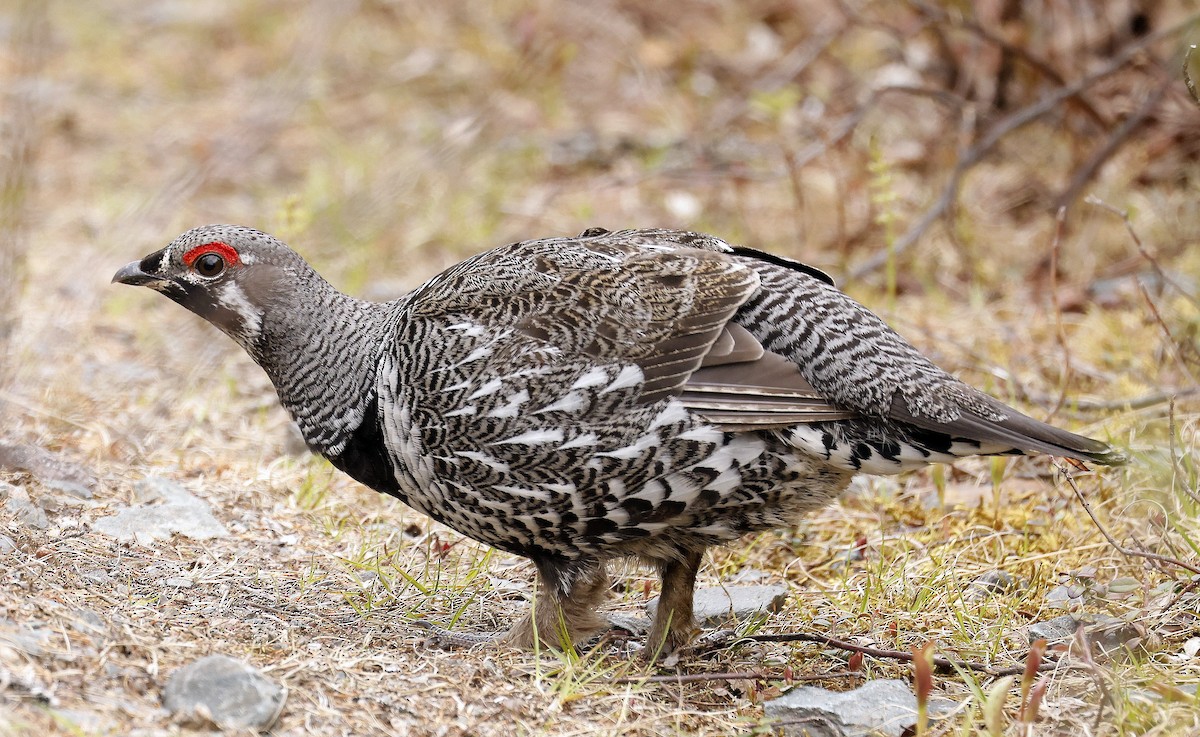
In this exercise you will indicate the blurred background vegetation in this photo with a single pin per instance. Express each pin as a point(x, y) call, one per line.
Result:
point(919, 151)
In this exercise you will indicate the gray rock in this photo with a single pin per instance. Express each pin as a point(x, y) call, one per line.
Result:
point(992, 583)
point(713, 606)
point(634, 625)
point(28, 640)
point(224, 691)
point(49, 469)
point(1053, 630)
point(168, 509)
point(157, 489)
point(97, 576)
point(6, 544)
point(1106, 634)
point(28, 513)
point(1150, 696)
point(70, 488)
point(750, 575)
point(1113, 635)
point(880, 707)
point(941, 707)
point(88, 622)
point(79, 721)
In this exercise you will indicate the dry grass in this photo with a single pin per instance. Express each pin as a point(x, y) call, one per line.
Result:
point(386, 140)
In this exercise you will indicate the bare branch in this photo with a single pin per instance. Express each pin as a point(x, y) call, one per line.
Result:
point(1187, 73)
point(942, 662)
point(734, 676)
point(1002, 128)
point(1127, 128)
point(1127, 552)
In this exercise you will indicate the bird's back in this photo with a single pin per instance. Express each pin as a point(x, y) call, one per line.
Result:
point(611, 393)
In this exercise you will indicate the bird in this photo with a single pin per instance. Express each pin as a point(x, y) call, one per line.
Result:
point(634, 394)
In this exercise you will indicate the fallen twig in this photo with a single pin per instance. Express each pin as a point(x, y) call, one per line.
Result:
point(1096, 405)
point(1176, 468)
point(942, 662)
point(1177, 347)
point(1159, 271)
point(1127, 552)
point(1187, 73)
point(1060, 333)
point(753, 675)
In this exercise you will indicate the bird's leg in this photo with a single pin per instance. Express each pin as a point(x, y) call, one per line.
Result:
point(564, 612)
point(673, 624)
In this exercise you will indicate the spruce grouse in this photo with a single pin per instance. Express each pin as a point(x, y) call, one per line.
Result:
point(642, 393)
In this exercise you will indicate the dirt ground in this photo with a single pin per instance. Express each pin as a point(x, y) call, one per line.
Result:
point(917, 152)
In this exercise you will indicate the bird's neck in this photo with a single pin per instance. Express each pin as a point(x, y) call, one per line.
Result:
point(320, 348)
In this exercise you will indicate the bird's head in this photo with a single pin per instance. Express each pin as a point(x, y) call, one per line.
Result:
point(227, 274)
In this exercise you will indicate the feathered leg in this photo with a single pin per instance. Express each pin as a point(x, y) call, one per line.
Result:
point(673, 625)
point(564, 612)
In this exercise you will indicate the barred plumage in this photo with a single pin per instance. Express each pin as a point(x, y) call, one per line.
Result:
point(636, 393)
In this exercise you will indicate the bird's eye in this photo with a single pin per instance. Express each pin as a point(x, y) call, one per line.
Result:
point(210, 264)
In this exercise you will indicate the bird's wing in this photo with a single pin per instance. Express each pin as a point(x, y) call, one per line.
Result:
point(628, 299)
point(742, 386)
point(663, 300)
point(849, 356)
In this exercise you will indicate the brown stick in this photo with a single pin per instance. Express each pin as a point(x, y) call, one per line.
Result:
point(1060, 332)
point(753, 675)
point(1162, 275)
point(1127, 552)
point(1002, 128)
point(1127, 128)
point(1020, 52)
point(1187, 73)
point(942, 662)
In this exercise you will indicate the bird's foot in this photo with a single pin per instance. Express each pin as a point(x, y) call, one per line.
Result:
point(450, 639)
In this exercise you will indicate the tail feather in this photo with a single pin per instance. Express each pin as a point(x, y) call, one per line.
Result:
point(1016, 430)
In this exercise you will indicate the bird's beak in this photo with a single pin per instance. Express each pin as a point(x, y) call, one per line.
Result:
point(131, 273)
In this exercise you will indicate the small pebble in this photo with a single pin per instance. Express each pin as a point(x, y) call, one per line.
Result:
point(225, 691)
point(50, 469)
point(24, 638)
point(1106, 634)
point(167, 509)
point(28, 513)
point(992, 583)
point(879, 707)
point(97, 576)
point(89, 622)
point(1064, 597)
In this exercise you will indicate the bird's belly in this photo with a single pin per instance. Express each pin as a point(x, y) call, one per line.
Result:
point(749, 483)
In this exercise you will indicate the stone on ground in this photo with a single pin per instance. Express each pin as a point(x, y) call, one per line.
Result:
point(48, 468)
point(880, 707)
point(18, 504)
point(1106, 634)
point(166, 509)
point(225, 692)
